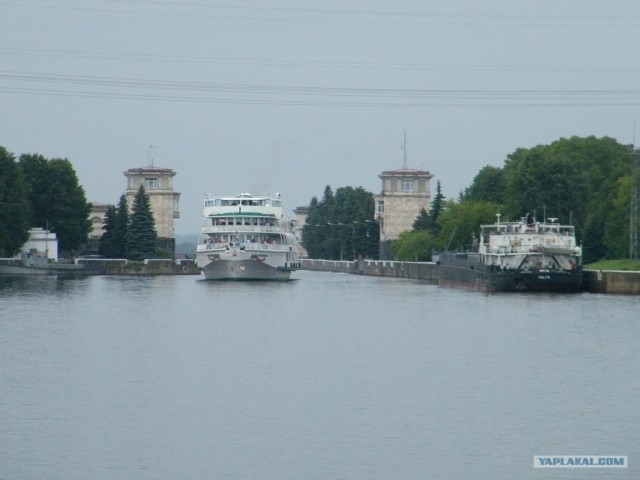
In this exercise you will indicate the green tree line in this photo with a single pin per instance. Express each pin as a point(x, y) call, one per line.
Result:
point(585, 182)
point(40, 192)
point(340, 226)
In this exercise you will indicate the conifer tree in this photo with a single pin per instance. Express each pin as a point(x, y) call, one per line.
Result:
point(437, 206)
point(422, 221)
point(429, 220)
point(339, 225)
point(107, 239)
point(141, 234)
point(311, 233)
point(113, 243)
point(120, 228)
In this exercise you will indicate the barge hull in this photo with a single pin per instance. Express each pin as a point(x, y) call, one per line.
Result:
point(505, 281)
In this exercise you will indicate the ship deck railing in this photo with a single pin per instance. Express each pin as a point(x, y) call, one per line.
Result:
point(279, 247)
point(220, 229)
point(525, 229)
point(534, 250)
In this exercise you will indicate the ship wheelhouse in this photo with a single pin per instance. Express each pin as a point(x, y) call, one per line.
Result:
point(527, 245)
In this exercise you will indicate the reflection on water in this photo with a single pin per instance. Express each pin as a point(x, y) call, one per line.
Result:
point(27, 285)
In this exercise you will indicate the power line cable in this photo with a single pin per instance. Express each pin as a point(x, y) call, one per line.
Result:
point(279, 63)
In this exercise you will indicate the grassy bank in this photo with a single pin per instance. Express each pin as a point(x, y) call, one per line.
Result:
point(623, 264)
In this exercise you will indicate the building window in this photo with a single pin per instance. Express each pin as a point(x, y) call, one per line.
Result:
point(407, 185)
point(380, 206)
point(150, 183)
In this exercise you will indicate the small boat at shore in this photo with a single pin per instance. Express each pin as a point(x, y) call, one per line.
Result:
point(246, 237)
point(524, 256)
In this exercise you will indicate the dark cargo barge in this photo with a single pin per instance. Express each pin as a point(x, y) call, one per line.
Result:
point(523, 256)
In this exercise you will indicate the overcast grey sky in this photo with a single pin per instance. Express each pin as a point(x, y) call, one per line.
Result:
point(290, 96)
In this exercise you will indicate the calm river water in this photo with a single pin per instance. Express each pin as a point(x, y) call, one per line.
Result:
point(327, 377)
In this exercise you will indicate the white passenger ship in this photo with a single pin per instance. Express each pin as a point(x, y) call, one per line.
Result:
point(246, 237)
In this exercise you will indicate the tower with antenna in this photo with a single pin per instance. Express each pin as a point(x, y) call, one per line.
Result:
point(164, 201)
point(405, 192)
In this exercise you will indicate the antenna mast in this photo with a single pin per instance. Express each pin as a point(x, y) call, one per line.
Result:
point(404, 147)
point(633, 205)
point(149, 157)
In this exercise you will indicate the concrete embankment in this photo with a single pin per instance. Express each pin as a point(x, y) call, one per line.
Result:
point(612, 281)
point(595, 281)
point(379, 268)
point(147, 267)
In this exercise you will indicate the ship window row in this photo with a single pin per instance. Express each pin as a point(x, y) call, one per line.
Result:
point(542, 229)
point(221, 202)
point(243, 221)
point(246, 239)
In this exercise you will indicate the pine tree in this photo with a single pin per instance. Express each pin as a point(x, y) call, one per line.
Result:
point(106, 241)
point(437, 206)
point(120, 228)
point(311, 233)
point(141, 234)
point(339, 225)
point(422, 221)
point(429, 220)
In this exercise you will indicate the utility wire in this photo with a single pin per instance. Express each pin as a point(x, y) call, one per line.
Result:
point(142, 83)
point(434, 103)
point(304, 63)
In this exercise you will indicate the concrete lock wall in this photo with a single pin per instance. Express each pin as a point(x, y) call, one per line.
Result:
point(379, 268)
point(150, 266)
point(595, 281)
point(612, 281)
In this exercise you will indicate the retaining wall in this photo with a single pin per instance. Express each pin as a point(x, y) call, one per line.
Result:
point(612, 281)
point(595, 281)
point(150, 266)
point(379, 268)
